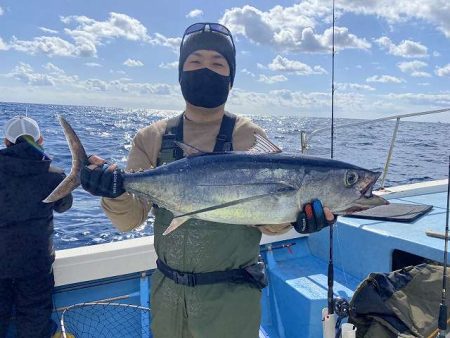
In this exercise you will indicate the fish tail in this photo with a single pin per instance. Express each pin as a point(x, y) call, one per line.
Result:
point(79, 159)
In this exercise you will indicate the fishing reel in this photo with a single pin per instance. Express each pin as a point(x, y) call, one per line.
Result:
point(341, 307)
point(342, 310)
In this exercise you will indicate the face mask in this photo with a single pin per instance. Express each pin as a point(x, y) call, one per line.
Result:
point(204, 88)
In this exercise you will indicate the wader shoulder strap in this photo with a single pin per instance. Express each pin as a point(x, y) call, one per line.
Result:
point(169, 150)
point(174, 132)
point(224, 140)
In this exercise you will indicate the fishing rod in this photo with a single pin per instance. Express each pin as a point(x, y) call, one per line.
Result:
point(442, 322)
point(337, 308)
point(329, 319)
point(330, 263)
point(332, 89)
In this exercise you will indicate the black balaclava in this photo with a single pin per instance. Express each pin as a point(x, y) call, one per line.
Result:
point(204, 87)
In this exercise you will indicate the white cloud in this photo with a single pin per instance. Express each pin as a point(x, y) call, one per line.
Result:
point(145, 88)
point(353, 86)
point(280, 63)
point(60, 87)
point(435, 12)
point(96, 85)
point(133, 63)
point(3, 46)
point(1, 11)
point(282, 99)
point(272, 79)
point(24, 72)
point(348, 104)
point(443, 71)
point(50, 45)
point(120, 72)
point(406, 49)
point(161, 40)
point(52, 68)
point(290, 28)
point(169, 65)
point(247, 72)
point(54, 76)
point(384, 79)
point(118, 25)
point(88, 34)
point(436, 53)
point(420, 74)
point(57, 78)
point(92, 64)
point(260, 66)
point(48, 30)
point(414, 68)
point(195, 13)
point(434, 100)
point(343, 39)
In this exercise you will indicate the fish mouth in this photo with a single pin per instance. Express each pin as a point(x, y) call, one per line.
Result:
point(367, 190)
point(367, 199)
point(364, 203)
point(368, 184)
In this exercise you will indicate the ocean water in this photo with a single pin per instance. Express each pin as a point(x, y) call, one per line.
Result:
point(420, 153)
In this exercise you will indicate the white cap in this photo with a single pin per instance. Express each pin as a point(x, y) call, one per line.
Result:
point(19, 126)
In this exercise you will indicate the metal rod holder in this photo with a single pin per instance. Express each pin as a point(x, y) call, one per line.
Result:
point(391, 148)
point(305, 138)
point(304, 141)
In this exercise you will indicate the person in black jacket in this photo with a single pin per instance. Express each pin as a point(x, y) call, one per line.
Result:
point(26, 231)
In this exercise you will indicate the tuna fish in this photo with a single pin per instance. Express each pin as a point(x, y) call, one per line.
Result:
point(257, 187)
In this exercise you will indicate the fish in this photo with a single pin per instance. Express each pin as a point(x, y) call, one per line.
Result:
point(261, 186)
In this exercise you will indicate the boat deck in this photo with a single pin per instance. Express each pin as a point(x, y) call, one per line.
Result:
point(363, 246)
point(298, 289)
point(297, 292)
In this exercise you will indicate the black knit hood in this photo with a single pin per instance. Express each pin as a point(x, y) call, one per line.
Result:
point(209, 41)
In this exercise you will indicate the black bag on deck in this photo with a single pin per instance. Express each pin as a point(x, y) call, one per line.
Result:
point(402, 303)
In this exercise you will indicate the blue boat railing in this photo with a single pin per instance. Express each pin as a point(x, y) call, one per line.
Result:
point(306, 138)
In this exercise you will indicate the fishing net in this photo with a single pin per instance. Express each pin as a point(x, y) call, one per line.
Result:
point(112, 320)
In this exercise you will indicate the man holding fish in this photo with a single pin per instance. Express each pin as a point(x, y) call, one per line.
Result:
point(209, 280)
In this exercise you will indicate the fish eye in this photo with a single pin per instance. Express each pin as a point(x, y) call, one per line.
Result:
point(351, 177)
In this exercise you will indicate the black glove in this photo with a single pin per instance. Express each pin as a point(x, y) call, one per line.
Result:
point(312, 218)
point(102, 182)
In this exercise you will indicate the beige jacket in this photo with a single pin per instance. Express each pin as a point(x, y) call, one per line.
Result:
point(127, 212)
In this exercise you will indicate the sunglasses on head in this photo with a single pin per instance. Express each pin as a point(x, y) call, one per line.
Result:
point(208, 26)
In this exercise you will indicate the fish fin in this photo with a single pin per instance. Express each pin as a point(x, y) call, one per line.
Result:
point(189, 150)
point(264, 146)
point(280, 191)
point(79, 158)
point(176, 222)
point(69, 184)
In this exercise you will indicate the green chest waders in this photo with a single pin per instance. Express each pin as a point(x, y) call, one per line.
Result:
point(216, 310)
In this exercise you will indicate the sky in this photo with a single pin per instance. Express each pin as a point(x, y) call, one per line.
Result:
point(392, 57)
